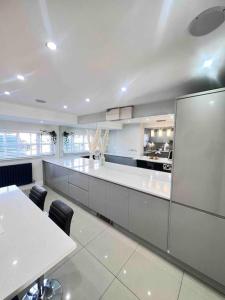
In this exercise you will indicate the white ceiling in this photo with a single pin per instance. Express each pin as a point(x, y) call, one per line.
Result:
point(102, 46)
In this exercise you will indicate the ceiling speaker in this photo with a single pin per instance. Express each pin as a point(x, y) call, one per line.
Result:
point(207, 21)
point(40, 101)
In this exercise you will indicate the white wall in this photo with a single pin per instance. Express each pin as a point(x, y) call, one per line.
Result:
point(127, 142)
point(36, 162)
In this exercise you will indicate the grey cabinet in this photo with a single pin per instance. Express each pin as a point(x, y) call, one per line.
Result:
point(60, 179)
point(148, 218)
point(62, 186)
point(199, 157)
point(78, 194)
point(78, 179)
point(48, 173)
point(117, 204)
point(198, 239)
point(98, 195)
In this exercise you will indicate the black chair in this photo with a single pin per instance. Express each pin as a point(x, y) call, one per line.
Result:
point(61, 214)
point(38, 195)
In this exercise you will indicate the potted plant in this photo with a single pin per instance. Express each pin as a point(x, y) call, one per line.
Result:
point(66, 136)
point(53, 135)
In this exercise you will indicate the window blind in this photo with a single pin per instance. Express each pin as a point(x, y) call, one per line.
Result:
point(76, 143)
point(24, 144)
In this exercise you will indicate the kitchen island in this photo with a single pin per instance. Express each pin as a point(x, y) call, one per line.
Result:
point(134, 198)
point(141, 161)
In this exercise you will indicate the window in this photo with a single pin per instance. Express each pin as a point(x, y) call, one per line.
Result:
point(76, 143)
point(24, 144)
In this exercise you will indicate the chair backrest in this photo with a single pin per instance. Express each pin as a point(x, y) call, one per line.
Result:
point(61, 214)
point(38, 195)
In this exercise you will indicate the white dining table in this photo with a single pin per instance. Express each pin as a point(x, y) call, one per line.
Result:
point(31, 244)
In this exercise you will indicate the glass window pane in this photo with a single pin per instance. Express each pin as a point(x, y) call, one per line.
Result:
point(45, 139)
point(46, 149)
point(33, 138)
point(34, 150)
point(22, 144)
point(24, 137)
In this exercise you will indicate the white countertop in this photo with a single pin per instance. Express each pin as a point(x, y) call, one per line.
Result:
point(30, 243)
point(161, 160)
point(148, 181)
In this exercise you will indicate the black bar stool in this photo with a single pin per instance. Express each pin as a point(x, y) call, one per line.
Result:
point(38, 195)
point(61, 214)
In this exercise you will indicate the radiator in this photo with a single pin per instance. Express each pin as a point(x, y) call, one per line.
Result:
point(20, 174)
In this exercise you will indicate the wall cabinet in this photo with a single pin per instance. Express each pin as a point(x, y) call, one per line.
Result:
point(148, 218)
point(198, 239)
point(117, 204)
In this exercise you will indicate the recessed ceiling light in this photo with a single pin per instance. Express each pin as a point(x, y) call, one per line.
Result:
point(7, 93)
point(15, 262)
point(123, 89)
point(207, 63)
point(20, 77)
point(51, 45)
point(68, 296)
point(65, 106)
point(87, 100)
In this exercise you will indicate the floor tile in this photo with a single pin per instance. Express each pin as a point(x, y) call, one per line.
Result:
point(86, 227)
point(60, 264)
point(79, 246)
point(147, 275)
point(112, 249)
point(118, 291)
point(192, 289)
point(83, 277)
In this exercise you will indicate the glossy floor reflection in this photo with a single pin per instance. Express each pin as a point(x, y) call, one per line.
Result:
point(108, 265)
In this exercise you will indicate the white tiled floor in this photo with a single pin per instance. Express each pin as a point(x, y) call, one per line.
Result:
point(110, 266)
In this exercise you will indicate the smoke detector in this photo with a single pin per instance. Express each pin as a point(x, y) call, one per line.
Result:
point(207, 21)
